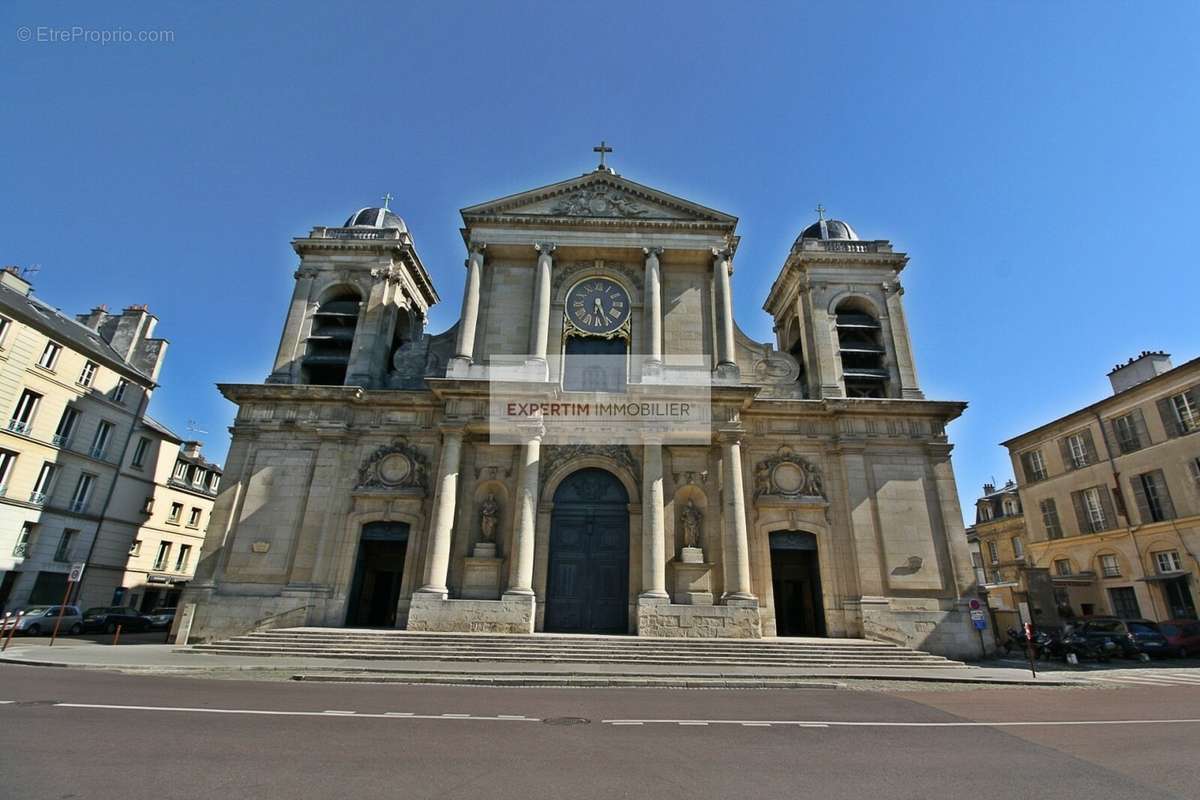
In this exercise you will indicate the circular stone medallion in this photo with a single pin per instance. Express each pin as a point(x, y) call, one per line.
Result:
point(788, 478)
point(394, 468)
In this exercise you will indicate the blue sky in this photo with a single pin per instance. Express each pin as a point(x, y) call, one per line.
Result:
point(1038, 162)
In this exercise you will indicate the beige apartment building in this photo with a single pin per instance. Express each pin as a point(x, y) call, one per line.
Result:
point(85, 475)
point(998, 542)
point(1112, 495)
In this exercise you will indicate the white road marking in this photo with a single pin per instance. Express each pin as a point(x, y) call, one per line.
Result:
point(398, 713)
point(693, 723)
point(270, 713)
point(6, 702)
point(880, 724)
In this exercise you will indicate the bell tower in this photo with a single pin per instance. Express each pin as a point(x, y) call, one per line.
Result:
point(837, 309)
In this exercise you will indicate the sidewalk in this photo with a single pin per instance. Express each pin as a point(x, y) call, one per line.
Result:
point(164, 659)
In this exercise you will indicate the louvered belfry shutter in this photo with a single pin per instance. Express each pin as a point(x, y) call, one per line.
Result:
point(1106, 503)
point(1081, 514)
point(1139, 496)
point(1170, 422)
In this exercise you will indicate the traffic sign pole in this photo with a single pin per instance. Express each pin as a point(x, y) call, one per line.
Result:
point(72, 578)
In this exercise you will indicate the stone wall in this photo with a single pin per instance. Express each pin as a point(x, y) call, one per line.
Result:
point(698, 622)
point(509, 615)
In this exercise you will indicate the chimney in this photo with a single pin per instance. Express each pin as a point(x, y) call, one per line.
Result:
point(1139, 369)
point(11, 277)
point(989, 488)
point(94, 318)
point(191, 448)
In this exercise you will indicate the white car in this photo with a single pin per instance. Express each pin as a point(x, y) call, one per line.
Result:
point(38, 620)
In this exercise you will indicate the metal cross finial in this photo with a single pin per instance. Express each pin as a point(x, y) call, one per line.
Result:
point(602, 149)
point(387, 198)
point(820, 209)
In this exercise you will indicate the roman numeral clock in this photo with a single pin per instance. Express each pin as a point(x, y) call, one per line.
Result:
point(599, 307)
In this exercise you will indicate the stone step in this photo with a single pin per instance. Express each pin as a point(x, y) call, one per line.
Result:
point(706, 645)
point(401, 635)
point(554, 647)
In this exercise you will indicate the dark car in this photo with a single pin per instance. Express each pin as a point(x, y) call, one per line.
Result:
point(162, 617)
point(1183, 635)
point(107, 619)
point(1133, 637)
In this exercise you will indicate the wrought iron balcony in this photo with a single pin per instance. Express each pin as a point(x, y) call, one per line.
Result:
point(17, 426)
point(37, 498)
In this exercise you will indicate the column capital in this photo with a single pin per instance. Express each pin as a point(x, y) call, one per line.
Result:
point(453, 429)
point(545, 248)
point(476, 248)
point(733, 436)
point(722, 253)
point(652, 251)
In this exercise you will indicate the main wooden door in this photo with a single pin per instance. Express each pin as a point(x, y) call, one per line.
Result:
point(375, 590)
point(587, 584)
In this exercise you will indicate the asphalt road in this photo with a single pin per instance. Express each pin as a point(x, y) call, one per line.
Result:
point(76, 734)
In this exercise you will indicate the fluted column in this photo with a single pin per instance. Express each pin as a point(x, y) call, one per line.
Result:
point(437, 558)
point(470, 305)
point(652, 305)
point(736, 541)
point(539, 327)
point(520, 559)
point(654, 527)
point(724, 298)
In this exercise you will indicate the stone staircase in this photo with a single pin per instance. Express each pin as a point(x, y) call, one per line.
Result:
point(396, 645)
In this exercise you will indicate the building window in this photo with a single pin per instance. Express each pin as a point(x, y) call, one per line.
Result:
point(1180, 413)
point(1018, 548)
point(181, 470)
point(1034, 466)
point(118, 394)
point(43, 484)
point(66, 427)
point(1093, 509)
point(996, 576)
point(139, 452)
point(100, 441)
point(185, 554)
point(22, 418)
point(1153, 499)
point(88, 374)
point(198, 477)
point(1050, 519)
point(1194, 466)
point(985, 512)
point(1062, 567)
point(63, 552)
point(1011, 507)
point(1124, 602)
point(135, 549)
point(215, 479)
point(1078, 450)
point(1110, 567)
point(50, 355)
point(83, 492)
point(7, 459)
point(176, 512)
point(163, 555)
point(1130, 431)
point(24, 541)
point(1168, 561)
point(993, 553)
point(148, 506)
point(5, 324)
point(194, 518)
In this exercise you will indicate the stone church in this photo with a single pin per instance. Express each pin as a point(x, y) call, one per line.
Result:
point(364, 487)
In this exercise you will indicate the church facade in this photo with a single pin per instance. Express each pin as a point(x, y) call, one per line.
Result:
point(366, 485)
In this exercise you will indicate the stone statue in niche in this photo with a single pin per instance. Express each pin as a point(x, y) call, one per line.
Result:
point(489, 518)
point(692, 519)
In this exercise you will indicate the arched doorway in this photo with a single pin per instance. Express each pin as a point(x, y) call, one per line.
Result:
point(587, 584)
point(796, 584)
point(378, 571)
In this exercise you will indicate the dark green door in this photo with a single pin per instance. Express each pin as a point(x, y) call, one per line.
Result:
point(587, 585)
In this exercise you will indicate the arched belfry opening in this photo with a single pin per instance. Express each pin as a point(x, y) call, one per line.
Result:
point(860, 346)
point(587, 583)
point(327, 350)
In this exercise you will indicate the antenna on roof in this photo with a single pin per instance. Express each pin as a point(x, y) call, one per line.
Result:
point(194, 427)
point(30, 271)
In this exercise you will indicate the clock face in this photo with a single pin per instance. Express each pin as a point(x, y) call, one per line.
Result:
point(598, 305)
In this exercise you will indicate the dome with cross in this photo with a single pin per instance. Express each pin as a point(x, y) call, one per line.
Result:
point(826, 229)
point(376, 217)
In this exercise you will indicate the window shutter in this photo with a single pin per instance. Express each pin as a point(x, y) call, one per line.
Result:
point(1167, 412)
point(1064, 447)
point(1089, 445)
point(1081, 515)
point(1112, 437)
point(1139, 425)
point(1106, 503)
point(1139, 495)
point(1164, 494)
point(1027, 467)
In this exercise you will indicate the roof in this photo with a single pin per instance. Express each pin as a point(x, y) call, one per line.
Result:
point(161, 429)
point(63, 328)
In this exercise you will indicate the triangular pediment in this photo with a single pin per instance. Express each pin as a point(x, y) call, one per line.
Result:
point(599, 195)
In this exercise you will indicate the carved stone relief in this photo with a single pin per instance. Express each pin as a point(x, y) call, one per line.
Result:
point(787, 475)
point(598, 201)
point(395, 466)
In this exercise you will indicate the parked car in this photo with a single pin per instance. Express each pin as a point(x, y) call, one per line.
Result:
point(107, 619)
point(37, 620)
point(1183, 635)
point(162, 617)
point(1134, 637)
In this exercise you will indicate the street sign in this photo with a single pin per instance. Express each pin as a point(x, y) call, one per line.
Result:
point(974, 604)
point(977, 613)
point(76, 572)
point(980, 624)
point(978, 618)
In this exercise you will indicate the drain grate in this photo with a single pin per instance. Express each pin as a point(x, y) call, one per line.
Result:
point(566, 720)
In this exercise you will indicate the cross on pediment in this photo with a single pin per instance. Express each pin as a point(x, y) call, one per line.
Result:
point(602, 149)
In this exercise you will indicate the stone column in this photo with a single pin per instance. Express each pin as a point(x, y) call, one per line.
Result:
point(291, 343)
point(470, 305)
point(902, 345)
point(539, 324)
point(654, 526)
point(652, 306)
point(724, 301)
point(736, 540)
point(437, 559)
point(520, 557)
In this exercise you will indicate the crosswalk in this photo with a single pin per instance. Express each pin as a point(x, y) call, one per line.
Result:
point(1148, 677)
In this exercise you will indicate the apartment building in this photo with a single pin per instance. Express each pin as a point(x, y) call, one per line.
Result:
point(72, 391)
point(1112, 494)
